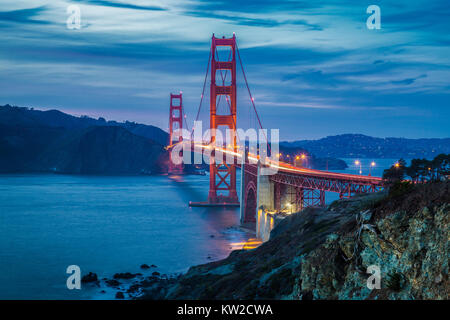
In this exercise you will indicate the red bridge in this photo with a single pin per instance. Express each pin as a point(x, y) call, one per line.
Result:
point(286, 189)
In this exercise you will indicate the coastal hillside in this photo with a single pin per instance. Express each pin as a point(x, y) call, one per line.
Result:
point(104, 150)
point(362, 146)
point(52, 141)
point(29, 117)
point(324, 253)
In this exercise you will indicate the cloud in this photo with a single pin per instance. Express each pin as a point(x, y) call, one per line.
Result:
point(121, 5)
point(24, 16)
point(408, 81)
point(309, 57)
point(247, 20)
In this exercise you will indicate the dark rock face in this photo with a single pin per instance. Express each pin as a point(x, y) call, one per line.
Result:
point(324, 253)
point(145, 266)
point(90, 277)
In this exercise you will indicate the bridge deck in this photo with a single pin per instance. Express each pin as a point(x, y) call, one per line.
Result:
point(292, 170)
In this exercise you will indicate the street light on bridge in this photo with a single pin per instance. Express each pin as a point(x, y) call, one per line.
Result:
point(372, 164)
point(358, 163)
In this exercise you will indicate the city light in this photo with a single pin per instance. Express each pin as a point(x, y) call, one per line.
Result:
point(372, 164)
point(397, 165)
point(358, 163)
point(303, 156)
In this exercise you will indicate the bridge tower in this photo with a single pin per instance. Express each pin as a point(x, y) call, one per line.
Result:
point(222, 184)
point(175, 127)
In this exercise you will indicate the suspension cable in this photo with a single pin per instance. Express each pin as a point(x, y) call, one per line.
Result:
point(251, 97)
point(203, 92)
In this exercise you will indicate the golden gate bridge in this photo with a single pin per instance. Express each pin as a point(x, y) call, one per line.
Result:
point(295, 187)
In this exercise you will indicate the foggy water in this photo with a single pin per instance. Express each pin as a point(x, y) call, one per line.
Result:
point(108, 225)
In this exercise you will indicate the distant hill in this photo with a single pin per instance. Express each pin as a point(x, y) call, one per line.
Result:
point(52, 141)
point(362, 146)
point(313, 162)
point(21, 116)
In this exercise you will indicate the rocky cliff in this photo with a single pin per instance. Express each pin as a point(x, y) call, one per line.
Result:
point(325, 253)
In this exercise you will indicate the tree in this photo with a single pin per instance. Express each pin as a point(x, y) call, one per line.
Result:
point(441, 165)
point(422, 170)
point(395, 173)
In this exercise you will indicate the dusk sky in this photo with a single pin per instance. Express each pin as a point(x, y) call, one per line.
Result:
point(314, 67)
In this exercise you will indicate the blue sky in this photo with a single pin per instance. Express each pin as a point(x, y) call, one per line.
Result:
point(313, 66)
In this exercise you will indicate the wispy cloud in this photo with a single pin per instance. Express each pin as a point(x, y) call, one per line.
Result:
point(316, 60)
point(23, 16)
point(121, 5)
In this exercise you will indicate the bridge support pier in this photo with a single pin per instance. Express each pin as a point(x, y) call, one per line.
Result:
point(265, 206)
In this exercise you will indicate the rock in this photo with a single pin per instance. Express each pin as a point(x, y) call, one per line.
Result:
point(126, 275)
point(321, 253)
point(134, 288)
point(155, 273)
point(90, 277)
point(153, 266)
point(145, 266)
point(119, 295)
point(112, 283)
point(366, 215)
point(438, 279)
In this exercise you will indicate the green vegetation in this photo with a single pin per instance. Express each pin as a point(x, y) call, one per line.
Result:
point(420, 170)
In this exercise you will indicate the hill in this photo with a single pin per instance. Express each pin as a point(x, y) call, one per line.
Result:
point(28, 117)
point(362, 146)
point(52, 141)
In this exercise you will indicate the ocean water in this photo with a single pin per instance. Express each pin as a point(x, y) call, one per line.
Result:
point(104, 225)
point(108, 225)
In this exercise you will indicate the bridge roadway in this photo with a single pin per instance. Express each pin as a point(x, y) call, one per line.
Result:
point(283, 167)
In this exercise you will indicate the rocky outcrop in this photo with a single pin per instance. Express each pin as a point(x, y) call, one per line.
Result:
point(325, 253)
point(411, 251)
point(90, 277)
